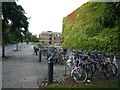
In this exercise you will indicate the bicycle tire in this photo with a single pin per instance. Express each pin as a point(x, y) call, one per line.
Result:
point(112, 69)
point(89, 70)
point(115, 69)
point(79, 75)
point(94, 67)
point(108, 70)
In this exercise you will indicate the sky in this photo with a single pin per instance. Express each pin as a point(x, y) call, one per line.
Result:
point(47, 15)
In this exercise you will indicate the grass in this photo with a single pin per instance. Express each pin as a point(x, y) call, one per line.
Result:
point(106, 84)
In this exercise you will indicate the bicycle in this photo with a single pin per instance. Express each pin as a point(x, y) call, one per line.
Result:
point(77, 73)
point(104, 65)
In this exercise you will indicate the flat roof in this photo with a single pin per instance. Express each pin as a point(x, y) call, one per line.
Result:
point(48, 32)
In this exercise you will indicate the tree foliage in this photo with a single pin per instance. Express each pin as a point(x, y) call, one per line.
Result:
point(15, 13)
point(12, 23)
point(34, 38)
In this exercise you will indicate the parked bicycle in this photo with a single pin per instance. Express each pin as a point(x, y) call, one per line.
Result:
point(77, 73)
point(100, 63)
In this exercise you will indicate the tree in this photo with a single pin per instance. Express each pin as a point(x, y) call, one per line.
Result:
point(34, 39)
point(15, 14)
point(27, 37)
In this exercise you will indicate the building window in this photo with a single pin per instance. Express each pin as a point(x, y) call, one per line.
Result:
point(50, 43)
point(55, 34)
point(42, 41)
point(50, 35)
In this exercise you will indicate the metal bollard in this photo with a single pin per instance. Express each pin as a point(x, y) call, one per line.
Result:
point(50, 70)
point(40, 56)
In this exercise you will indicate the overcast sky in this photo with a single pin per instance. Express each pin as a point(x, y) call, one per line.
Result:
point(47, 15)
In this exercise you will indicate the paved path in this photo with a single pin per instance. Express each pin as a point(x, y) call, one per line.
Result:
point(10, 47)
point(21, 69)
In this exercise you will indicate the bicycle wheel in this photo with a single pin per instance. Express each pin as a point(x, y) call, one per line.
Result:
point(110, 70)
point(79, 75)
point(89, 71)
point(94, 67)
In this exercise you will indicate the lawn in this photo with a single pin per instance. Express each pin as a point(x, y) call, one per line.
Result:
point(105, 84)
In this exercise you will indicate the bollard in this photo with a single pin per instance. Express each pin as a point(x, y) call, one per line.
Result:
point(50, 70)
point(40, 56)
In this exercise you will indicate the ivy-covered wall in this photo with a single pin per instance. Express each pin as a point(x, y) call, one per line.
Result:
point(91, 27)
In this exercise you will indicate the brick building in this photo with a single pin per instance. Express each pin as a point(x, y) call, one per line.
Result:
point(50, 38)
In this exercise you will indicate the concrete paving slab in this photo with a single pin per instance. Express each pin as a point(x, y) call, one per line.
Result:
point(22, 69)
point(29, 82)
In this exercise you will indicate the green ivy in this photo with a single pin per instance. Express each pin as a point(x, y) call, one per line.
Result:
point(93, 28)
